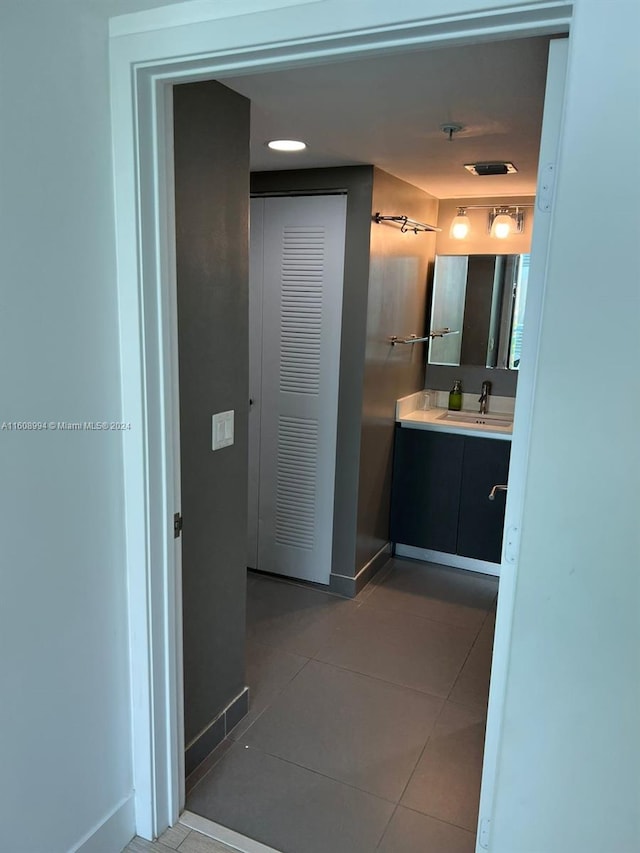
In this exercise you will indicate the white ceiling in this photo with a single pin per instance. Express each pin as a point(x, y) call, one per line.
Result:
point(387, 111)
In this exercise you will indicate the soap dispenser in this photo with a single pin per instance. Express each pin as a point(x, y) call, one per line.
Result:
point(455, 396)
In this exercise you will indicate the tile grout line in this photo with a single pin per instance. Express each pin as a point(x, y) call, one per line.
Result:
point(468, 707)
point(319, 773)
point(228, 738)
point(332, 633)
point(234, 740)
point(184, 839)
point(387, 825)
point(400, 804)
point(169, 830)
point(428, 618)
point(275, 696)
point(464, 663)
point(264, 645)
point(441, 819)
point(422, 752)
point(377, 678)
point(205, 775)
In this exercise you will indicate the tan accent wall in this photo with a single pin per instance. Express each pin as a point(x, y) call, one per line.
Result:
point(399, 272)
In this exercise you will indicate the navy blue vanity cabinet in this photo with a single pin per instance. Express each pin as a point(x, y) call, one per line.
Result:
point(481, 521)
point(440, 493)
point(427, 475)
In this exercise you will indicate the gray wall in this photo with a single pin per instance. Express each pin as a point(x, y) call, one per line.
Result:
point(212, 198)
point(358, 182)
point(397, 304)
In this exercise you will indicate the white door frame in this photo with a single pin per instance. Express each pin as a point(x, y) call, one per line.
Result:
point(202, 40)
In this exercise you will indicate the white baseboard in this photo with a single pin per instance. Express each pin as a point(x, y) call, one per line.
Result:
point(113, 833)
point(225, 836)
point(453, 560)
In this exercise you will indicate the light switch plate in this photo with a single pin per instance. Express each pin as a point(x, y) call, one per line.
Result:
point(222, 430)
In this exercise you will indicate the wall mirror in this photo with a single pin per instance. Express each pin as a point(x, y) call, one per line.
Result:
point(480, 300)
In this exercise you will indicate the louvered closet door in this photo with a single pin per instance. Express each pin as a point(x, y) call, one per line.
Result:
point(303, 254)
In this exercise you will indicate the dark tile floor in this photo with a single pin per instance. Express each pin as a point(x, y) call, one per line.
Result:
point(366, 726)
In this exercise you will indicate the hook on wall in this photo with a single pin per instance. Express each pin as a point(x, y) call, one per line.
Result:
point(406, 224)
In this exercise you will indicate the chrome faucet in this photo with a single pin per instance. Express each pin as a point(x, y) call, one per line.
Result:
point(483, 399)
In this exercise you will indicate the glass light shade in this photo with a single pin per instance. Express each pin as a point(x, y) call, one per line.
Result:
point(502, 226)
point(460, 226)
point(286, 145)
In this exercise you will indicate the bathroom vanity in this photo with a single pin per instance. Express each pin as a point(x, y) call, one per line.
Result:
point(445, 468)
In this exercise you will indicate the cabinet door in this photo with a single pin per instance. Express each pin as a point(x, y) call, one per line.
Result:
point(427, 474)
point(481, 521)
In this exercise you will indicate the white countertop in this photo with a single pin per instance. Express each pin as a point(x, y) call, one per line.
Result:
point(408, 415)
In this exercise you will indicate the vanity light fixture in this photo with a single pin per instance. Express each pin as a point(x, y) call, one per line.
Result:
point(286, 145)
point(460, 225)
point(505, 221)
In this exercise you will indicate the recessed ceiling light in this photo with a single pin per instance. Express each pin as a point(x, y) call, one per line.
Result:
point(286, 145)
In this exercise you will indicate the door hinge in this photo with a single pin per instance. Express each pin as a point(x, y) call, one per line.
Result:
point(177, 525)
point(485, 827)
point(512, 544)
point(546, 183)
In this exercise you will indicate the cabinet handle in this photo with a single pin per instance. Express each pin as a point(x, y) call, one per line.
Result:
point(492, 493)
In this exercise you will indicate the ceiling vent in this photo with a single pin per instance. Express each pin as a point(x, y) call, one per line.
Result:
point(497, 168)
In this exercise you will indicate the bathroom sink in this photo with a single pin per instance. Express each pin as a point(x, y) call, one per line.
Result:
point(497, 420)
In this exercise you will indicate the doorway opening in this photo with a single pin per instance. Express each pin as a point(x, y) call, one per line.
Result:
point(409, 606)
point(154, 596)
